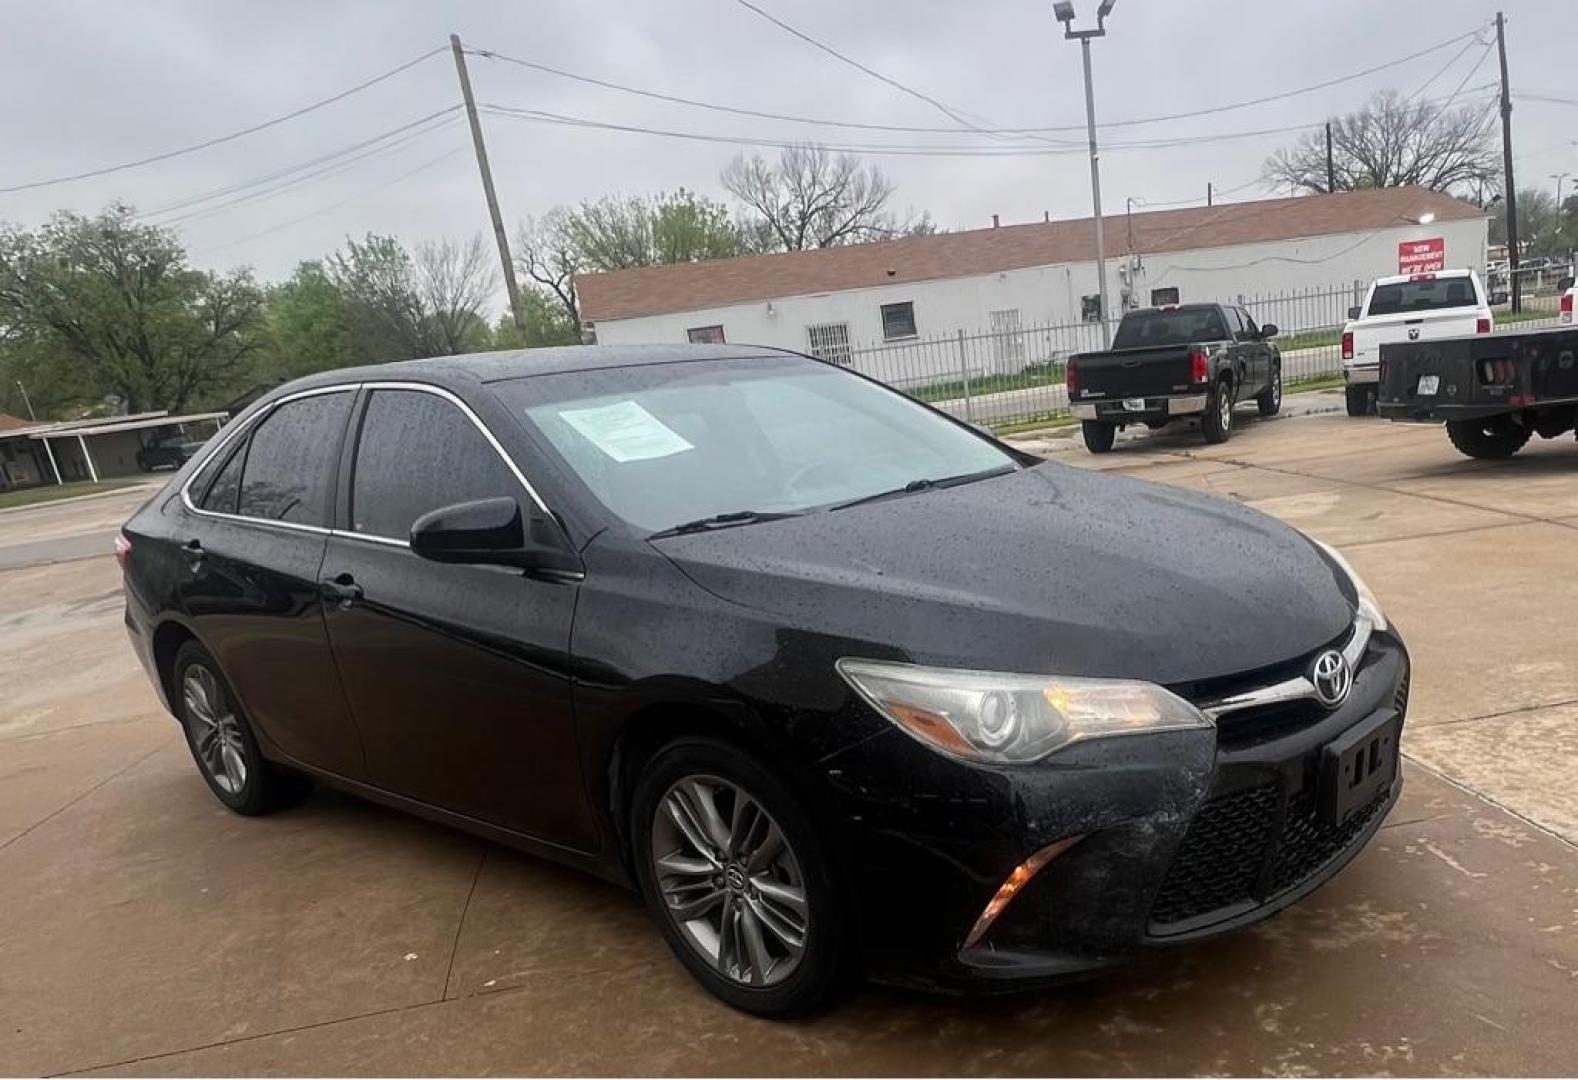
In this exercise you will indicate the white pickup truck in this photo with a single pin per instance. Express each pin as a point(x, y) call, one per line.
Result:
point(1408, 307)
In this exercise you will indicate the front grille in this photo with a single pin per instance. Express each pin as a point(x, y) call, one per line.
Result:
point(1244, 848)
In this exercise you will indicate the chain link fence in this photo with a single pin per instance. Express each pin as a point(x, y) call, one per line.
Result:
point(1008, 374)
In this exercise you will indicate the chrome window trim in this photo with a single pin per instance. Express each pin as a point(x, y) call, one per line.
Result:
point(342, 388)
point(1296, 688)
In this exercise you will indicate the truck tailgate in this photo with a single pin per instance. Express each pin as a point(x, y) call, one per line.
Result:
point(1478, 375)
point(1124, 373)
point(1370, 333)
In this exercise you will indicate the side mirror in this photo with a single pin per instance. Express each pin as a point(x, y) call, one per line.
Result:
point(494, 532)
point(1268, 330)
point(1353, 313)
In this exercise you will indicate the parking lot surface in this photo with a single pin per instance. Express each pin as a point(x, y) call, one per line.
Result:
point(145, 929)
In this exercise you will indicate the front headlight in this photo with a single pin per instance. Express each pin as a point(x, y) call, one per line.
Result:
point(1369, 606)
point(1008, 719)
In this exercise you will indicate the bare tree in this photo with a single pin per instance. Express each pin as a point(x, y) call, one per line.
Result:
point(546, 252)
point(812, 198)
point(454, 283)
point(1390, 142)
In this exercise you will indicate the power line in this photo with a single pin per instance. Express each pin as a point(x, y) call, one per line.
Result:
point(1467, 45)
point(303, 172)
point(914, 129)
point(858, 66)
point(167, 155)
point(359, 196)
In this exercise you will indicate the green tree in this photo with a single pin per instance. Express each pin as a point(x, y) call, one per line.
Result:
point(1543, 229)
point(677, 227)
point(307, 321)
point(116, 300)
point(546, 323)
point(399, 308)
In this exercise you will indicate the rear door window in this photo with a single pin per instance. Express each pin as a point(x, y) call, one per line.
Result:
point(1424, 294)
point(289, 469)
point(418, 452)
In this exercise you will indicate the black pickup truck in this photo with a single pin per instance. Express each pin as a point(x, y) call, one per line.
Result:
point(1176, 362)
point(1494, 392)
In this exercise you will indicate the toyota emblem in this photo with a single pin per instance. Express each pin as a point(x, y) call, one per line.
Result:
point(1332, 678)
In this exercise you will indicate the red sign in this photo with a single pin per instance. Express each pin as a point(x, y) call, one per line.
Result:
point(1421, 256)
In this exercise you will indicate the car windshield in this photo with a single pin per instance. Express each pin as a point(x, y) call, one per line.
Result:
point(1423, 294)
point(663, 445)
point(1166, 327)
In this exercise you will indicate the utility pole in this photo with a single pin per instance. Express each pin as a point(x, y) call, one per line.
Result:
point(1559, 177)
point(1208, 193)
point(487, 184)
point(1509, 188)
point(1063, 11)
point(31, 415)
point(1331, 170)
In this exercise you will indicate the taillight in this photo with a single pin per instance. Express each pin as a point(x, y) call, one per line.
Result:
point(1566, 307)
point(1482, 326)
point(1199, 365)
point(122, 550)
point(1070, 379)
point(1347, 345)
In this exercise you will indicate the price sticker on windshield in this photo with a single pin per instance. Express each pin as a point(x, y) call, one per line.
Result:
point(626, 432)
point(1428, 385)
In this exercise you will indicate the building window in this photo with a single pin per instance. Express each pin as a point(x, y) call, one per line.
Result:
point(830, 342)
point(705, 335)
point(1160, 297)
point(898, 321)
point(1008, 340)
point(1090, 308)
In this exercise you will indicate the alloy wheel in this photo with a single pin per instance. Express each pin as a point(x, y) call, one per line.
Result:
point(215, 730)
point(1224, 407)
point(730, 880)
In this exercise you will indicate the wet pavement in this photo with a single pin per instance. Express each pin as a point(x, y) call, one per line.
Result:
point(144, 929)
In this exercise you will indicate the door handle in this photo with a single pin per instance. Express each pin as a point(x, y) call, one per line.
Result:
point(341, 590)
point(193, 550)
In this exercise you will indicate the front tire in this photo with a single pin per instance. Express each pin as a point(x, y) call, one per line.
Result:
point(733, 870)
point(1269, 400)
point(1099, 435)
point(221, 739)
point(1217, 423)
point(1491, 439)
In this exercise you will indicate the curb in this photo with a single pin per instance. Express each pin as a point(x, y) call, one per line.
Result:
point(146, 486)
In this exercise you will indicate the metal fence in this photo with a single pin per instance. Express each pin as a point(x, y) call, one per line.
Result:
point(1007, 374)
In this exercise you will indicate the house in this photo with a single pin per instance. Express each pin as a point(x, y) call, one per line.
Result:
point(1032, 288)
point(33, 452)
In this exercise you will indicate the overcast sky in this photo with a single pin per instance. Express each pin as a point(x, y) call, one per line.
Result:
point(86, 85)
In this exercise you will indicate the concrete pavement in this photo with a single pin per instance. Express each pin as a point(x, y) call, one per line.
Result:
point(145, 930)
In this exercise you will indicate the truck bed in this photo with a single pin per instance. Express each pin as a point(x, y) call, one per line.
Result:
point(1467, 378)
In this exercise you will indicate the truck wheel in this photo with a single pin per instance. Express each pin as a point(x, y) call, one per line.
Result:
point(1269, 400)
point(1490, 439)
point(1217, 423)
point(1099, 435)
point(1358, 400)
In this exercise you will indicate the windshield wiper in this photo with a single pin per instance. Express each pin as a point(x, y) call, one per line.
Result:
point(723, 521)
point(927, 484)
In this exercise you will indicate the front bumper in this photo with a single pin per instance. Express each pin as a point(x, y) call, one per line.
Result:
point(1150, 408)
point(1184, 835)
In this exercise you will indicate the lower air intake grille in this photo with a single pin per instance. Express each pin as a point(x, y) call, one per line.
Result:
point(1247, 847)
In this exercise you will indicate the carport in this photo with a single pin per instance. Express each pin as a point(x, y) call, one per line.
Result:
point(97, 449)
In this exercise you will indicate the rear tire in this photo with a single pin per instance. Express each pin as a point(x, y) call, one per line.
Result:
point(1099, 435)
point(1490, 439)
point(221, 740)
point(787, 945)
point(1269, 400)
point(1217, 423)
point(1358, 400)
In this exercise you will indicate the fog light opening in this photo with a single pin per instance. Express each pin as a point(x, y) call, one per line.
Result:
point(1016, 881)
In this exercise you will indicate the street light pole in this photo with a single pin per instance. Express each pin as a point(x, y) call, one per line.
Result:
point(1559, 177)
point(31, 415)
point(1063, 11)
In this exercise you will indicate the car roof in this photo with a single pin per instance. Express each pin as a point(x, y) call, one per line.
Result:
point(486, 367)
point(1400, 279)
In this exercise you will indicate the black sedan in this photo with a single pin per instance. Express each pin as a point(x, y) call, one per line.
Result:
point(835, 681)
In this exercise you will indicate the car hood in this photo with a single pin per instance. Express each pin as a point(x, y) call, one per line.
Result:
point(1050, 569)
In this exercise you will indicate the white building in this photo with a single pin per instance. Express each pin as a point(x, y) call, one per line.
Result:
point(1027, 293)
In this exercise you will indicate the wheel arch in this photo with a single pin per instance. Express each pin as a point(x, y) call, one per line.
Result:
point(168, 637)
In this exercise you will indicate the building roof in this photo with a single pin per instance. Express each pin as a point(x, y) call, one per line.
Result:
point(8, 422)
point(656, 290)
point(103, 426)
